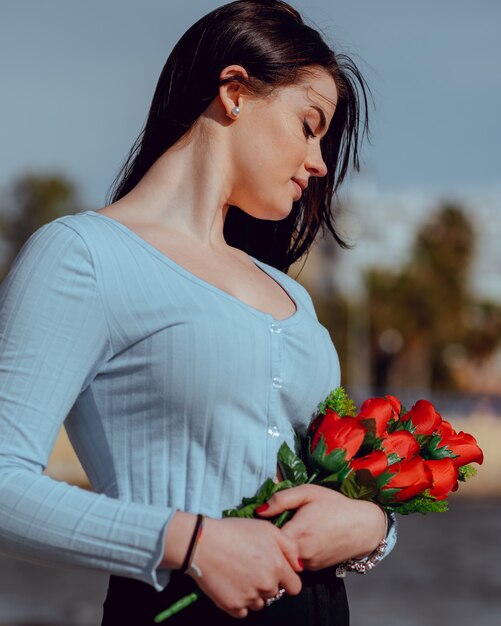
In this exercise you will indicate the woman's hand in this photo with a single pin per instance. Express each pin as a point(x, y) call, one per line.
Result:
point(245, 561)
point(328, 527)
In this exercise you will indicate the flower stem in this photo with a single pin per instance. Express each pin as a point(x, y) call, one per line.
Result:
point(282, 518)
point(176, 607)
point(312, 478)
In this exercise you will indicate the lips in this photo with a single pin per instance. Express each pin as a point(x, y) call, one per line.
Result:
point(300, 185)
point(299, 191)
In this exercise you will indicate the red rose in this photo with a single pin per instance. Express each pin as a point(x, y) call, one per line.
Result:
point(329, 414)
point(445, 428)
point(401, 442)
point(411, 477)
point(464, 445)
point(445, 477)
point(346, 433)
point(378, 409)
point(376, 462)
point(424, 417)
point(396, 404)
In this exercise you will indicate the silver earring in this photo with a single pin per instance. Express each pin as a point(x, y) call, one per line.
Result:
point(235, 111)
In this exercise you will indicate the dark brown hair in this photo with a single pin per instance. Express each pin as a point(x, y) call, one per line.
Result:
point(277, 48)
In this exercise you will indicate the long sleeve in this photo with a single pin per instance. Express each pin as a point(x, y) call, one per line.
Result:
point(54, 337)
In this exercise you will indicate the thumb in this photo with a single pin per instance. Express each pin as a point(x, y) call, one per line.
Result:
point(291, 498)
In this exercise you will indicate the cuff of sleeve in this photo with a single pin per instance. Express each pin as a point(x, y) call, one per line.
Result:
point(158, 578)
point(390, 538)
point(391, 534)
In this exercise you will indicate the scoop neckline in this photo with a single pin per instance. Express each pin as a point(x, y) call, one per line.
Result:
point(293, 318)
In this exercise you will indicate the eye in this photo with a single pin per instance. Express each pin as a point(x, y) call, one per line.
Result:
point(307, 130)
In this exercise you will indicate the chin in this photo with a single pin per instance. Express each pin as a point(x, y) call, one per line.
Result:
point(274, 212)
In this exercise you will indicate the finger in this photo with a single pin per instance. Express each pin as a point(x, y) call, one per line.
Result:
point(291, 582)
point(290, 550)
point(286, 499)
point(239, 613)
point(289, 579)
point(257, 605)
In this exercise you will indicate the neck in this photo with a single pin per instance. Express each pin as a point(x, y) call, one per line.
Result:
point(186, 190)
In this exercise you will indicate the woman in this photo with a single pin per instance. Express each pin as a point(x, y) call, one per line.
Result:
point(166, 324)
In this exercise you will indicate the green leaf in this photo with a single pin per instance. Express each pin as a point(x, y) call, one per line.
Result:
point(404, 425)
point(433, 451)
point(338, 401)
point(423, 440)
point(334, 480)
point(424, 503)
point(264, 493)
point(370, 425)
point(335, 461)
point(244, 511)
point(291, 466)
point(387, 496)
point(383, 478)
point(465, 472)
point(359, 485)
point(370, 443)
point(284, 484)
point(344, 472)
point(393, 458)
point(319, 459)
point(320, 450)
point(390, 427)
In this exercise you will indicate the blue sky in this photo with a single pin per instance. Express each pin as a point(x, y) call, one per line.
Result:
point(77, 79)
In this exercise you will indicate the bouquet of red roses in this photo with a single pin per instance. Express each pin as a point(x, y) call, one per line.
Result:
point(406, 461)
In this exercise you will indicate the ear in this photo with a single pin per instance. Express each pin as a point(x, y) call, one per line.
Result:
point(231, 91)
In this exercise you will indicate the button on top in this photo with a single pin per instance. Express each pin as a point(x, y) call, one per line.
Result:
point(273, 431)
point(275, 328)
point(277, 382)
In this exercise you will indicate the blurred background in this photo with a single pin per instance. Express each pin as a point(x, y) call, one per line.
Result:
point(414, 307)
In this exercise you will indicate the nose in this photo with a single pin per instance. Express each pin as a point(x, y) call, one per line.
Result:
point(314, 162)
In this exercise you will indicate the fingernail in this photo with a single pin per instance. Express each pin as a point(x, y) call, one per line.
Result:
point(262, 508)
point(301, 564)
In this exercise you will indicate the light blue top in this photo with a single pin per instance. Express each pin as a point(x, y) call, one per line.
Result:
point(178, 395)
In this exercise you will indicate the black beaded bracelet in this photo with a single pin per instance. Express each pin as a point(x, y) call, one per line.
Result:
point(195, 536)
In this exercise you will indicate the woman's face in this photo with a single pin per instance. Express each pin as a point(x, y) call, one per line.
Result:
point(273, 144)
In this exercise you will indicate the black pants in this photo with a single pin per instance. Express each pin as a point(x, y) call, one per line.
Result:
point(322, 602)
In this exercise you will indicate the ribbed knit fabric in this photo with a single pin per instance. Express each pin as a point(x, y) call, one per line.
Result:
point(177, 394)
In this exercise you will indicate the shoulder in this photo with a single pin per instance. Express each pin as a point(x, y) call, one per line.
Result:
point(52, 275)
point(53, 243)
point(67, 228)
point(71, 239)
point(55, 262)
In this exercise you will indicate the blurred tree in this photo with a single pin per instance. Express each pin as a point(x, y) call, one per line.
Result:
point(32, 201)
point(424, 320)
